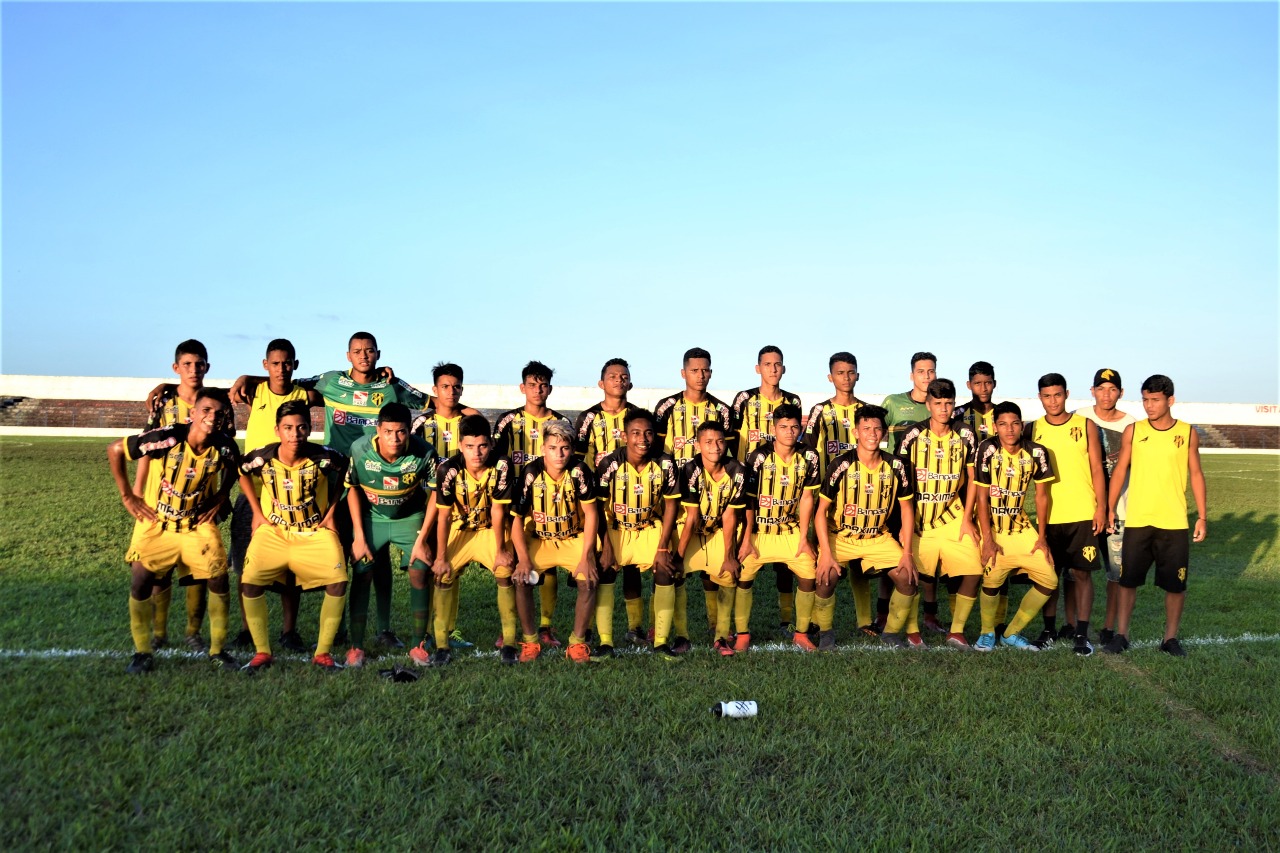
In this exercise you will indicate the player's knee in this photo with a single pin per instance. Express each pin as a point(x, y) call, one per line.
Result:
point(708, 585)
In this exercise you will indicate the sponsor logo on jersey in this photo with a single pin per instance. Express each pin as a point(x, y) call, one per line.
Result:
point(339, 417)
point(190, 473)
point(539, 518)
point(286, 483)
point(360, 398)
point(371, 465)
point(390, 482)
point(346, 382)
point(766, 501)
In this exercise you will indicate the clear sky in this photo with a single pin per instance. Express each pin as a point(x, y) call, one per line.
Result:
point(1049, 187)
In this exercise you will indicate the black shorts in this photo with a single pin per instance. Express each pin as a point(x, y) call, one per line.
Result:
point(1073, 546)
point(1169, 550)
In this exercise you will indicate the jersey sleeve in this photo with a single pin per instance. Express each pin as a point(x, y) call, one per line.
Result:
point(691, 483)
point(908, 441)
point(502, 434)
point(738, 498)
point(902, 473)
point(811, 479)
point(970, 446)
point(154, 443)
point(583, 483)
point(431, 470)
point(739, 402)
point(986, 452)
point(582, 432)
point(751, 479)
point(445, 479)
point(1043, 464)
point(524, 491)
point(335, 469)
point(663, 413)
point(504, 486)
point(670, 481)
point(813, 427)
point(831, 484)
point(604, 476)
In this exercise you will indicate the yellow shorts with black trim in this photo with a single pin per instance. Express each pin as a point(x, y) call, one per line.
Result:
point(1017, 559)
point(550, 554)
point(705, 553)
point(779, 548)
point(943, 545)
point(636, 547)
point(199, 552)
point(474, 546)
point(314, 556)
point(878, 555)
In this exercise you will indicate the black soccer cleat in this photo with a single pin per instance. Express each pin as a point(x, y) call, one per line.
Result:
point(1082, 647)
point(601, 653)
point(1118, 645)
point(142, 662)
point(508, 656)
point(291, 641)
point(442, 657)
point(1173, 647)
point(389, 639)
point(1045, 640)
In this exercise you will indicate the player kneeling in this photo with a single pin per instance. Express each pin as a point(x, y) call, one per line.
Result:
point(299, 483)
point(1007, 466)
point(175, 527)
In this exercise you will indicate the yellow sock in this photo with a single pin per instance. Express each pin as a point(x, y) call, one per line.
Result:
point(664, 605)
point(507, 614)
point(453, 607)
point(724, 611)
point(444, 606)
point(680, 621)
point(960, 610)
point(547, 596)
point(742, 610)
point(141, 614)
point(219, 611)
point(712, 598)
point(786, 607)
point(824, 610)
point(990, 607)
point(861, 599)
point(255, 616)
point(574, 639)
point(913, 615)
point(899, 605)
point(195, 608)
point(1002, 609)
point(604, 613)
point(804, 609)
point(951, 603)
point(330, 618)
point(635, 613)
point(1032, 602)
point(160, 599)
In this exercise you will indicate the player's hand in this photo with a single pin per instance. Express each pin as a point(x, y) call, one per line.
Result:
point(990, 548)
point(906, 569)
point(258, 520)
point(421, 551)
point(1099, 520)
point(154, 395)
point(827, 566)
point(505, 557)
point(237, 392)
point(730, 567)
point(137, 507)
point(521, 573)
point(1042, 545)
point(662, 562)
point(1201, 531)
point(967, 529)
point(387, 374)
point(606, 555)
point(1111, 521)
point(587, 568)
point(360, 552)
point(747, 550)
point(806, 547)
point(443, 570)
point(209, 515)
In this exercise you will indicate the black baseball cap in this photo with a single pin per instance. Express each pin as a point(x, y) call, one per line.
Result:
point(1107, 375)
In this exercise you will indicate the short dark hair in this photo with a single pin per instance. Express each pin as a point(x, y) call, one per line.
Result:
point(1008, 407)
point(394, 413)
point(283, 345)
point(446, 368)
point(712, 425)
point(787, 412)
point(1158, 384)
point(695, 352)
point(475, 425)
point(1051, 379)
point(923, 356)
point(941, 389)
point(536, 370)
point(866, 413)
point(190, 347)
point(362, 336)
point(765, 350)
point(293, 407)
point(981, 368)
point(846, 357)
point(614, 362)
point(638, 414)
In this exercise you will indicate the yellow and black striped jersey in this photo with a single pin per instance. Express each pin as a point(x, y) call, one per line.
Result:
point(753, 413)
point(171, 409)
point(679, 419)
point(829, 431)
point(1007, 477)
point(553, 509)
point(469, 499)
point(438, 431)
point(1158, 470)
point(983, 424)
point(939, 463)
point(599, 433)
point(774, 486)
point(296, 497)
point(861, 497)
point(632, 498)
point(182, 482)
point(518, 436)
point(1071, 495)
point(712, 497)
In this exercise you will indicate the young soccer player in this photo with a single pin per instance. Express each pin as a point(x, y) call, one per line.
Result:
point(942, 455)
point(979, 413)
point(554, 525)
point(854, 503)
point(391, 480)
point(518, 436)
point(1158, 454)
point(293, 487)
point(782, 477)
point(1111, 422)
point(599, 429)
point(1077, 507)
point(1007, 467)
point(439, 426)
point(712, 488)
point(473, 498)
point(195, 465)
point(639, 497)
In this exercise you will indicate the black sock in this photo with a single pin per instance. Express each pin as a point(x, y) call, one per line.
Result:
point(1082, 628)
point(1051, 623)
point(931, 608)
point(882, 607)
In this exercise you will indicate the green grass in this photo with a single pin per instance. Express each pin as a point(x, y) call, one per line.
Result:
point(864, 748)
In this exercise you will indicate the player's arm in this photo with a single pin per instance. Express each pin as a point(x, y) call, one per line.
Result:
point(156, 396)
point(590, 527)
point(970, 501)
point(692, 516)
point(1042, 520)
point(747, 548)
point(805, 516)
point(1099, 473)
point(355, 505)
point(1197, 488)
point(1118, 475)
point(989, 546)
point(498, 521)
point(245, 386)
point(133, 502)
point(662, 559)
point(907, 563)
point(729, 529)
point(422, 545)
point(828, 568)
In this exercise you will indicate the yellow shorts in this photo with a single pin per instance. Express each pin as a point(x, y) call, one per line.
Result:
point(1018, 559)
point(478, 546)
point(315, 557)
point(878, 555)
point(705, 553)
point(779, 548)
point(943, 545)
point(636, 547)
point(199, 552)
point(551, 554)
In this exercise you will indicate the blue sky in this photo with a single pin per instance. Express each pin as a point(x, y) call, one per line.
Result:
point(1049, 187)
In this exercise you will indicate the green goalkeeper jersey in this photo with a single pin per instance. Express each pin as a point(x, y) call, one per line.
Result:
point(393, 489)
point(351, 408)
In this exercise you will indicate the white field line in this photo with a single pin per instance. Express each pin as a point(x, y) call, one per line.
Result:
point(772, 647)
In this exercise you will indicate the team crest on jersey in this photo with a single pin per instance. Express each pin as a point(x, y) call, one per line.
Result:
point(1089, 553)
point(360, 398)
point(390, 482)
point(409, 478)
point(1178, 441)
point(371, 465)
point(1076, 433)
point(376, 398)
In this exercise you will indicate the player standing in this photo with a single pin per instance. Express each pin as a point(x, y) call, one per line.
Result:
point(599, 429)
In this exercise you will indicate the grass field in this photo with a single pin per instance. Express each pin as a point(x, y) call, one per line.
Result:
point(863, 748)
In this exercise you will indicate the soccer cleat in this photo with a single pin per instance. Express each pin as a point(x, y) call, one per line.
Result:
point(456, 640)
point(291, 641)
point(787, 630)
point(222, 660)
point(497, 644)
point(1044, 641)
point(895, 641)
point(681, 645)
point(326, 662)
point(1082, 647)
point(601, 653)
point(878, 624)
point(1017, 641)
point(578, 653)
point(257, 663)
point(159, 641)
point(355, 658)
point(1105, 635)
point(389, 639)
point(931, 623)
point(420, 654)
point(827, 640)
point(957, 641)
point(803, 642)
point(508, 655)
point(915, 641)
point(442, 657)
point(1119, 644)
point(636, 637)
point(243, 640)
point(664, 651)
point(986, 642)
point(723, 646)
point(872, 630)
point(142, 662)
point(1173, 647)
point(1067, 632)
point(741, 642)
point(547, 636)
point(196, 643)
point(529, 652)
